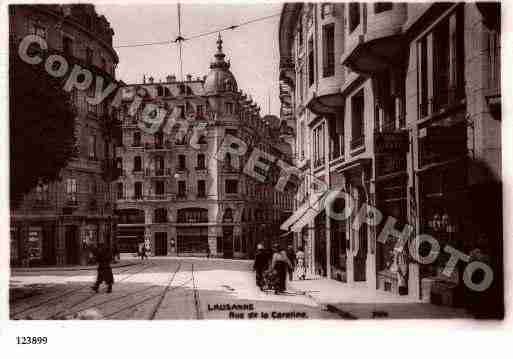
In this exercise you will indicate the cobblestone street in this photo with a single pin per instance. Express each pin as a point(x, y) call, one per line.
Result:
point(161, 288)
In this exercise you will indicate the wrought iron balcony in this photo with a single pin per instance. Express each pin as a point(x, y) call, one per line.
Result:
point(357, 142)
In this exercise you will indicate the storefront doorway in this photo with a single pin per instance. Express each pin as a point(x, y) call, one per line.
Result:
point(161, 244)
point(192, 241)
point(49, 255)
point(72, 245)
point(227, 242)
point(359, 238)
point(320, 244)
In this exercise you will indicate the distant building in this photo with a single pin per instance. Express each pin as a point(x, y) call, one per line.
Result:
point(183, 199)
point(52, 224)
point(397, 105)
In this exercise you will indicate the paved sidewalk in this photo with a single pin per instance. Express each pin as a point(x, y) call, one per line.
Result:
point(356, 301)
point(120, 264)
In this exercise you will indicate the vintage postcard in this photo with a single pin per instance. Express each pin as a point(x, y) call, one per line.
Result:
point(266, 162)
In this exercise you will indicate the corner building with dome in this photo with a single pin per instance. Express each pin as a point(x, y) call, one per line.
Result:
point(181, 199)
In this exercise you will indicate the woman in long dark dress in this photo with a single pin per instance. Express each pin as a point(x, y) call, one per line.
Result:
point(281, 265)
point(104, 257)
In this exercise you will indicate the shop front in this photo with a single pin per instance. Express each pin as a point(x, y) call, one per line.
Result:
point(391, 149)
point(192, 241)
point(320, 244)
point(360, 266)
point(445, 206)
point(309, 222)
point(33, 243)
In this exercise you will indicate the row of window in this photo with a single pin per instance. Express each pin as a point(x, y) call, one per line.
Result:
point(389, 115)
point(231, 187)
point(158, 140)
point(328, 43)
point(68, 44)
point(440, 55)
point(355, 9)
point(160, 163)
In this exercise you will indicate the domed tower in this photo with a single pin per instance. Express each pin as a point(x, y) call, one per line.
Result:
point(220, 79)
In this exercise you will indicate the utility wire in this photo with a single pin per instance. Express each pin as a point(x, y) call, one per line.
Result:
point(180, 38)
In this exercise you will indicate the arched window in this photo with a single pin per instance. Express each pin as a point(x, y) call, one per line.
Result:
point(160, 91)
point(160, 215)
point(192, 215)
point(228, 159)
point(228, 215)
point(201, 161)
point(137, 163)
point(136, 139)
point(167, 92)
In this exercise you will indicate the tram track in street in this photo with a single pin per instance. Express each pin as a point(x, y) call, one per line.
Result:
point(66, 311)
point(30, 309)
point(195, 294)
point(168, 288)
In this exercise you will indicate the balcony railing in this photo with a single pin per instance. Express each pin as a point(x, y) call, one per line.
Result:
point(318, 162)
point(357, 142)
point(160, 172)
point(446, 99)
point(157, 146)
point(159, 197)
point(443, 100)
point(129, 122)
point(148, 197)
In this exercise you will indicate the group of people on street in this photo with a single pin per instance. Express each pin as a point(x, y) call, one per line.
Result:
point(275, 267)
point(143, 248)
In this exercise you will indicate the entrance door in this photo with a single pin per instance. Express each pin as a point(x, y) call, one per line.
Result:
point(360, 260)
point(72, 245)
point(49, 256)
point(161, 244)
point(227, 242)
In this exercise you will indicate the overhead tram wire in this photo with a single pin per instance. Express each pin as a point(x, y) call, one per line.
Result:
point(180, 38)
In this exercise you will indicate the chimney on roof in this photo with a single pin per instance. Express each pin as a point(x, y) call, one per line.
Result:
point(144, 78)
point(169, 78)
point(189, 77)
point(151, 79)
point(204, 78)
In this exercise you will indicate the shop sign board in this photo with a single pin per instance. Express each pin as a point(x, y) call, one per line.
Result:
point(391, 142)
point(35, 243)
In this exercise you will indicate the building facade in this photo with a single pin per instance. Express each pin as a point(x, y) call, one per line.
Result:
point(398, 105)
point(54, 222)
point(179, 190)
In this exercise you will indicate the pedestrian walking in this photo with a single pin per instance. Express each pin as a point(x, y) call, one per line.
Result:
point(103, 256)
point(300, 264)
point(280, 264)
point(115, 252)
point(260, 265)
point(147, 247)
point(140, 250)
point(143, 252)
point(291, 256)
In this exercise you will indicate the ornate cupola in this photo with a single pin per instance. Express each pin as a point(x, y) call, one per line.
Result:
point(220, 79)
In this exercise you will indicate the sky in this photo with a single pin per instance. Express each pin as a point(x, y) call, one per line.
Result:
point(252, 49)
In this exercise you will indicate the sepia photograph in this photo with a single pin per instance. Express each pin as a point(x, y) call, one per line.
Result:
point(255, 161)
